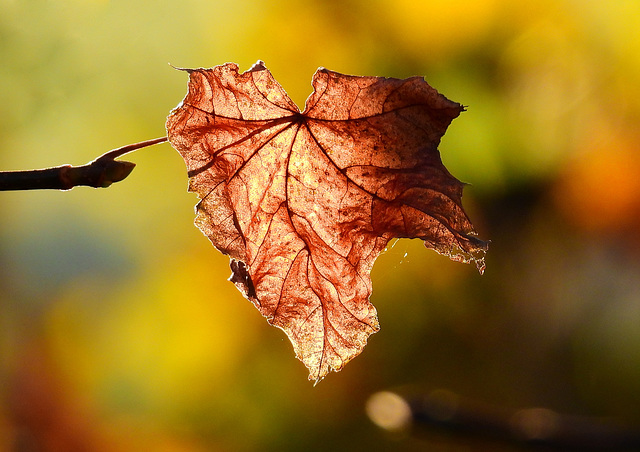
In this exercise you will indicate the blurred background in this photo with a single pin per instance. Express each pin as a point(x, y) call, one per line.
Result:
point(118, 329)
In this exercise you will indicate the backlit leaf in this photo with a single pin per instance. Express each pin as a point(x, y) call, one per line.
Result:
point(304, 202)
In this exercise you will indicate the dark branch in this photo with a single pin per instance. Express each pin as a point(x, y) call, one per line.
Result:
point(535, 427)
point(100, 173)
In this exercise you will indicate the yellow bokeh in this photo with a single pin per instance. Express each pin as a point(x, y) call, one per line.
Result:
point(168, 335)
point(438, 28)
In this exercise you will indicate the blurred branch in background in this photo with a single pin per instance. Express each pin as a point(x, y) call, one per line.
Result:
point(100, 173)
point(542, 427)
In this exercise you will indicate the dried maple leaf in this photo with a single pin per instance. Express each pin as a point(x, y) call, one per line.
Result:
point(304, 202)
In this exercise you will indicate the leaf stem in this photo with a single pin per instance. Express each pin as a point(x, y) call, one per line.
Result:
point(101, 172)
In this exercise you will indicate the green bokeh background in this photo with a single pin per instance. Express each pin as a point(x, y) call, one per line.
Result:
point(118, 329)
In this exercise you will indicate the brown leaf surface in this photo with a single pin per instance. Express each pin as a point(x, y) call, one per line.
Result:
point(303, 203)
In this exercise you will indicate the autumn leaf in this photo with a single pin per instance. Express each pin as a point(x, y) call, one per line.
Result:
point(303, 203)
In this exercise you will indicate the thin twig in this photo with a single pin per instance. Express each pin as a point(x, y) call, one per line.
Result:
point(99, 173)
